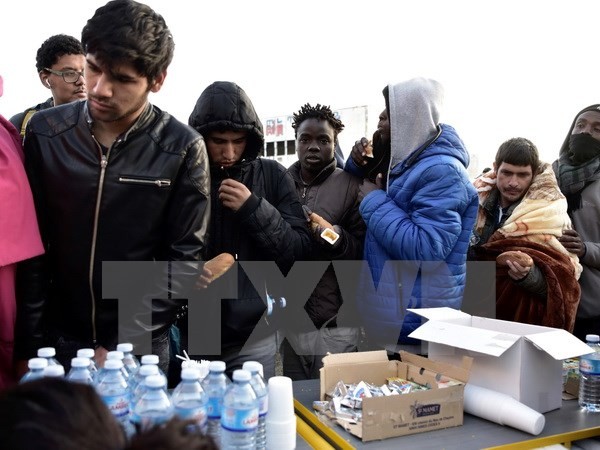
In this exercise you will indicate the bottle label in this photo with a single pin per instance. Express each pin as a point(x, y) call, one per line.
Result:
point(589, 366)
point(234, 419)
point(118, 405)
point(263, 405)
point(198, 415)
point(213, 407)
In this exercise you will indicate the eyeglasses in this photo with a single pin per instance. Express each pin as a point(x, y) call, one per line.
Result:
point(70, 76)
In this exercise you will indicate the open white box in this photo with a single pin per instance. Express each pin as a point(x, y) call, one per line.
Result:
point(520, 360)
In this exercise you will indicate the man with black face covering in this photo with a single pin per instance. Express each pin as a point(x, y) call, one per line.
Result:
point(578, 172)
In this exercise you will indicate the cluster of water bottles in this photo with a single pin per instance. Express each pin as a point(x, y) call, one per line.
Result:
point(233, 413)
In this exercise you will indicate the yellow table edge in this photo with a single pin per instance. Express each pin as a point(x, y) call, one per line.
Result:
point(563, 438)
point(326, 435)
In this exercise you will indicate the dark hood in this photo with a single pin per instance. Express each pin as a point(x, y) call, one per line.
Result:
point(223, 106)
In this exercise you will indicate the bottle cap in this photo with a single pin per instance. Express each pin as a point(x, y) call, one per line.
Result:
point(592, 338)
point(217, 366)
point(54, 371)
point(154, 381)
point(80, 362)
point(37, 363)
point(115, 354)
point(86, 353)
point(149, 369)
point(190, 374)
point(150, 359)
point(253, 367)
point(112, 364)
point(241, 375)
point(125, 347)
point(46, 352)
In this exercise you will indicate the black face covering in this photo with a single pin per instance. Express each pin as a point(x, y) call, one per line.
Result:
point(582, 148)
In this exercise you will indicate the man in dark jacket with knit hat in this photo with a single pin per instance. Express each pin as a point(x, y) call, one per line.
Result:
point(578, 172)
point(255, 216)
point(335, 196)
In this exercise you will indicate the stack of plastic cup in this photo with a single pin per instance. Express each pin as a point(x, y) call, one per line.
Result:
point(281, 421)
point(502, 409)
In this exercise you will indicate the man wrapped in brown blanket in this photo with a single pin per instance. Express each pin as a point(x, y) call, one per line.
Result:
point(522, 210)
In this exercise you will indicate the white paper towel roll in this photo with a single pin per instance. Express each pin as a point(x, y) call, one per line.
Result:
point(502, 409)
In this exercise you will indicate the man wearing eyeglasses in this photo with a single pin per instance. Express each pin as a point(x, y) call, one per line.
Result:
point(59, 61)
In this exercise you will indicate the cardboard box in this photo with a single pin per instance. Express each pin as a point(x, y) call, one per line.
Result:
point(520, 360)
point(398, 415)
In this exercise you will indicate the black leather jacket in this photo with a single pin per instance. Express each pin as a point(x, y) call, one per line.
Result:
point(145, 199)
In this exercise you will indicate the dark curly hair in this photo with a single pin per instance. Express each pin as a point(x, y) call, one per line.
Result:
point(320, 112)
point(54, 47)
point(128, 31)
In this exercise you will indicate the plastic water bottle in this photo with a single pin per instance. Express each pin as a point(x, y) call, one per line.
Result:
point(189, 400)
point(54, 371)
point(36, 369)
point(80, 371)
point(112, 388)
point(262, 395)
point(214, 385)
point(129, 360)
point(135, 393)
point(154, 407)
point(239, 417)
point(50, 354)
point(118, 355)
point(153, 359)
point(589, 368)
point(89, 353)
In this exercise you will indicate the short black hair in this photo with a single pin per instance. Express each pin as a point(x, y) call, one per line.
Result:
point(128, 31)
point(54, 47)
point(518, 152)
point(320, 112)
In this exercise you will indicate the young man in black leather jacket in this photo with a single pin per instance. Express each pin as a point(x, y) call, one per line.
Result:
point(114, 178)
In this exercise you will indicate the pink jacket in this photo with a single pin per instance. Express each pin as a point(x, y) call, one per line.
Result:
point(19, 236)
point(19, 233)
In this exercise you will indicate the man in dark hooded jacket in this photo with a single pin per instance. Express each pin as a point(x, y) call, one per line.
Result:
point(256, 216)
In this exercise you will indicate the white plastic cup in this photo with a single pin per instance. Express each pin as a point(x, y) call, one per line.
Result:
point(502, 409)
point(280, 422)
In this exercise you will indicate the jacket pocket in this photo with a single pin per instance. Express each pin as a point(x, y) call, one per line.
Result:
point(145, 181)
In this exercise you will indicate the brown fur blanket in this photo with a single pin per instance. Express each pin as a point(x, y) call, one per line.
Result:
point(514, 303)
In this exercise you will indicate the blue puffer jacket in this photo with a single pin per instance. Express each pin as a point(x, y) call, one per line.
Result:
point(417, 238)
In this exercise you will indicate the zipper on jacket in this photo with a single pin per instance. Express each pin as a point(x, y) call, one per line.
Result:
point(157, 182)
point(103, 164)
point(304, 192)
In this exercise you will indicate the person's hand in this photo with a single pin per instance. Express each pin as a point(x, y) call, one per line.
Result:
point(233, 194)
point(572, 242)
point(367, 186)
point(359, 153)
point(204, 279)
point(516, 271)
point(100, 356)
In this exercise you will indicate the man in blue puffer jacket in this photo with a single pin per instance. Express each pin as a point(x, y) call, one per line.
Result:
point(419, 213)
